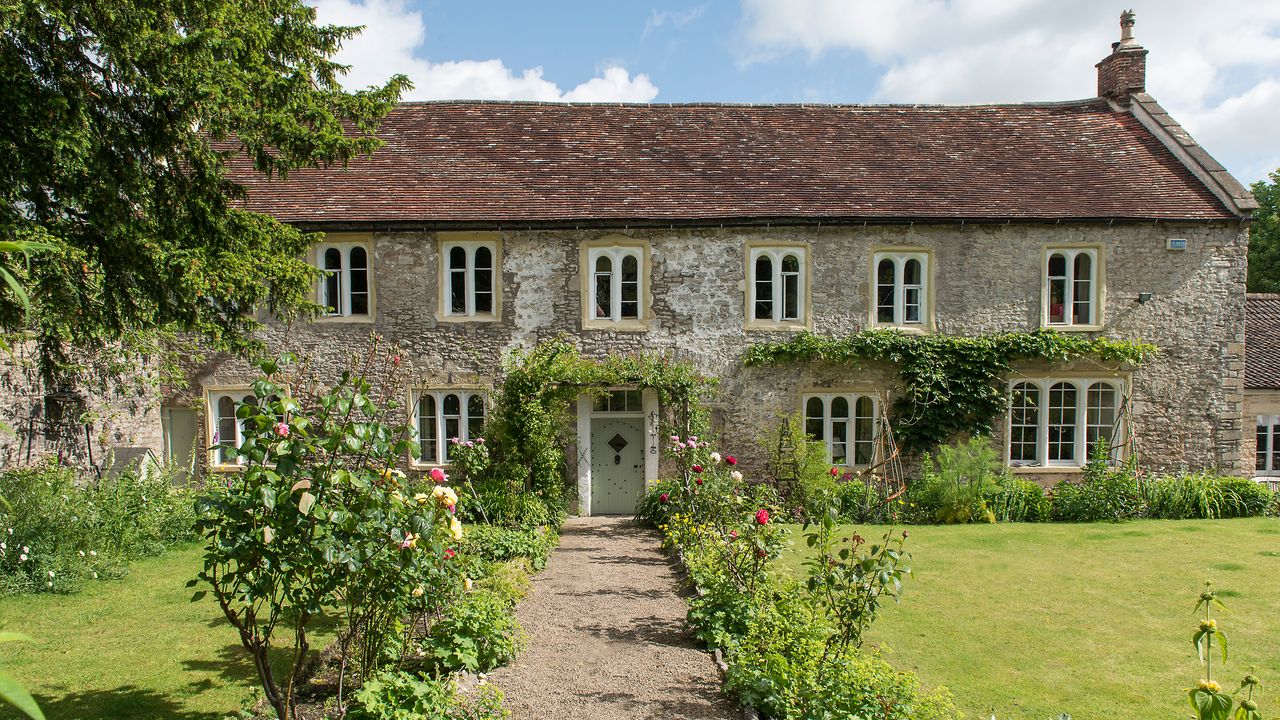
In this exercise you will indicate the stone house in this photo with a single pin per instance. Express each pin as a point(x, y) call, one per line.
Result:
point(1262, 384)
point(699, 229)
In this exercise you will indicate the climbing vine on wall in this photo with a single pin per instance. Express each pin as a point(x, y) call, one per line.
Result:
point(952, 384)
point(524, 478)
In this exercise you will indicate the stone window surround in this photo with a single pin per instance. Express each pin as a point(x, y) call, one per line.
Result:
point(445, 241)
point(587, 286)
point(1097, 285)
point(753, 249)
point(464, 393)
point(900, 254)
point(852, 395)
point(345, 241)
point(1121, 383)
point(212, 395)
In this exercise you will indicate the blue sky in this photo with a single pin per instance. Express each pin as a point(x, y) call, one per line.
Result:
point(1215, 66)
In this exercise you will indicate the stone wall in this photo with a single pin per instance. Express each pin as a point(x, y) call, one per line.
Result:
point(1187, 403)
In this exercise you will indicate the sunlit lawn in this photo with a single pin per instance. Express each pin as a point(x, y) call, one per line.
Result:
point(131, 648)
point(1029, 621)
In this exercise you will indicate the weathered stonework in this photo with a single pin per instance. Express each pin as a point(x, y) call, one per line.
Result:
point(1187, 402)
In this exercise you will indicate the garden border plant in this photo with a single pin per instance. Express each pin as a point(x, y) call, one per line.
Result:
point(953, 385)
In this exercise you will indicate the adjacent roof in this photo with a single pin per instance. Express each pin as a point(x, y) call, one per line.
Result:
point(549, 163)
point(1262, 341)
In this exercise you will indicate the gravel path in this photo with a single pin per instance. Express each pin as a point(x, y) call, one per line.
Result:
point(607, 634)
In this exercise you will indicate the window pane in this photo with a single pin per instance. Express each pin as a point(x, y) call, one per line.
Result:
point(1100, 417)
point(483, 280)
point(359, 281)
point(1062, 423)
point(617, 400)
point(1081, 313)
point(764, 288)
point(790, 288)
point(839, 407)
point(427, 429)
point(332, 299)
point(604, 287)
point(226, 428)
point(839, 444)
point(475, 416)
point(813, 418)
point(884, 291)
point(1275, 446)
point(633, 403)
point(457, 281)
point(1057, 288)
point(630, 287)
point(600, 403)
point(864, 431)
point(911, 272)
point(1024, 424)
point(452, 415)
point(1263, 446)
point(911, 286)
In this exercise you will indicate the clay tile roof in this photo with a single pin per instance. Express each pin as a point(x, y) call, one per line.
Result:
point(1262, 341)
point(477, 162)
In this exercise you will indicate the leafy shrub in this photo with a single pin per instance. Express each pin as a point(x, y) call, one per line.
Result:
point(814, 486)
point(497, 543)
point(477, 634)
point(399, 695)
point(1018, 500)
point(1204, 495)
point(1107, 491)
point(57, 531)
point(956, 484)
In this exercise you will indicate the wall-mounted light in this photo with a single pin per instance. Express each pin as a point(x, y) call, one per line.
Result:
point(1143, 297)
point(653, 432)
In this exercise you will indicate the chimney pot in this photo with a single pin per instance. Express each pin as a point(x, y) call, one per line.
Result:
point(1124, 71)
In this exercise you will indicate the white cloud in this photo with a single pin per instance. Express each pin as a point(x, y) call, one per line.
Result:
point(393, 35)
point(675, 18)
point(1215, 66)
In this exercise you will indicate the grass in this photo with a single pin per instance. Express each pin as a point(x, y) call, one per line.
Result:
point(134, 648)
point(1026, 621)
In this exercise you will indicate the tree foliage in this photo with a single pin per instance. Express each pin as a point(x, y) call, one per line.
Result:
point(121, 118)
point(1264, 237)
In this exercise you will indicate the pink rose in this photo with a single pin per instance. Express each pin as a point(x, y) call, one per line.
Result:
point(282, 430)
point(762, 517)
point(663, 498)
point(395, 361)
point(438, 475)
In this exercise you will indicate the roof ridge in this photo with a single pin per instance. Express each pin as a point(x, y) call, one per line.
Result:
point(1082, 102)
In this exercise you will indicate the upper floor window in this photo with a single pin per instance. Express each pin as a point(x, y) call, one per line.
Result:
point(901, 288)
point(776, 285)
point(345, 286)
point(617, 283)
point(1268, 446)
point(444, 418)
point(1061, 422)
point(1071, 287)
point(468, 278)
point(846, 423)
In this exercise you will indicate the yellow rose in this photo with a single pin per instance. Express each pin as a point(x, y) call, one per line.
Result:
point(421, 498)
point(445, 496)
point(455, 528)
point(417, 592)
point(466, 584)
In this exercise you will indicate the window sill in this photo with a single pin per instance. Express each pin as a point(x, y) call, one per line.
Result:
point(338, 319)
point(909, 329)
point(616, 325)
point(776, 327)
point(1071, 328)
point(478, 318)
point(1027, 469)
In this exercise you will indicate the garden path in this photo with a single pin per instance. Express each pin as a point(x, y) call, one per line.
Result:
point(607, 634)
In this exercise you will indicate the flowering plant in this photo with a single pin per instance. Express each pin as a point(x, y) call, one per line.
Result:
point(1208, 699)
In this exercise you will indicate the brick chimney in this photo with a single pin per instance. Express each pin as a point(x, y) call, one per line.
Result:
point(1124, 71)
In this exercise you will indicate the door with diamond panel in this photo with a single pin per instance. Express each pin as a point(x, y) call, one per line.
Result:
point(617, 464)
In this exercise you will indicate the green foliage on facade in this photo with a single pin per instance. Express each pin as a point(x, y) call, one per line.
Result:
point(952, 385)
point(120, 121)
point(1264, 237)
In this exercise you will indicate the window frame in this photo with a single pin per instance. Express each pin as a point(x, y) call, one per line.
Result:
point(900, 256)
point(1097, 287)
point(212, 395)
point(616, 249)
point(470, 242)
point(1081, 427)
point(851, 439)
point(1271, 467)
point(345, 243)
point(464, 417)
point(776, 254)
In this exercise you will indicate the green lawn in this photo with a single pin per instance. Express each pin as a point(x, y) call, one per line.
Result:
point(133, 648)
point(1027, 621)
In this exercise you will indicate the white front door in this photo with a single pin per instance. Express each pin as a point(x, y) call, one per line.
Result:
point(617, 464)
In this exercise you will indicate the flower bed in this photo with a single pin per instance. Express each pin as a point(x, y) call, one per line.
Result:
point(793, 649)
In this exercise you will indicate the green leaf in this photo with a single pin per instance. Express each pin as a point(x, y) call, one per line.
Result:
point(198, 595)
point(17, 696)
point(266, 492)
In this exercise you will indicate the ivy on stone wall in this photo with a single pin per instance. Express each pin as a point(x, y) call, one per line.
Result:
point(952, 385)
point(524, 429)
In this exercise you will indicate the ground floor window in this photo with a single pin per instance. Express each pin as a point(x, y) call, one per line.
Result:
point(846, 422)
point(443, 417)
point(1060, 422)
point(225, 427)
point(1268, 445)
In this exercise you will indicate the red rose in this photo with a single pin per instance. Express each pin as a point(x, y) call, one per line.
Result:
point(762, 517)
point(697, 468)
point(760, 553)
point(730, 460)
point(698, 480)
point(448, 553)
point(663, 498)
point(835, 472)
